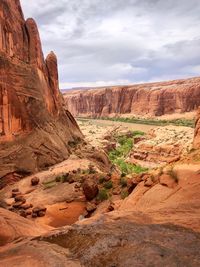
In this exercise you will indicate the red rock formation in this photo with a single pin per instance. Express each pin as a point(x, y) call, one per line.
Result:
point(153, 99)
point(197, 131)
point(34, 127)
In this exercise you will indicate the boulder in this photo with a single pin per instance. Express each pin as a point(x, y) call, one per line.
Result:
point(26, 206)
point(148, 182)
point(116, 191)
point(20, 198)
point(39, 208)
point(14, 194)
point(15, 190)
point(35, 181)
point(91, 207)
point(9, 201)
point(90, 189)
point(18, 204)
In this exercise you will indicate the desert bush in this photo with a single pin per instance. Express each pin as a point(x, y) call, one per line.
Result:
point(108, 185)
point(128, 168)
point(137, 133)
point(125, 146)
point(123, 181)
point(49, 184)
point(173, 174)
point(124, 194)
point(101, 179)
point(103, 194)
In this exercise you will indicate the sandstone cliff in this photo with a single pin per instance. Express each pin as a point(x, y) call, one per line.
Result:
point(34, 127)
point(151, 99)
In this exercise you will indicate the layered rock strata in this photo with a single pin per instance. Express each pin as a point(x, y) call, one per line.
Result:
point(151, 99)
point(34, 127)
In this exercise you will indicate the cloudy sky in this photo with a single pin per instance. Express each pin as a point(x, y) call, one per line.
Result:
point(109, 42)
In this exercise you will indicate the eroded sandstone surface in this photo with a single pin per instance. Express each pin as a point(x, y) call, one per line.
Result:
point(150, 99)
point(34, 127)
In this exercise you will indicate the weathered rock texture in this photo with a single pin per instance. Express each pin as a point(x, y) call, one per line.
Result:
point(107, 242)
point(162, 145)
point(14, 226)
point(34, 127)
point(153, 99)
point(197, 131)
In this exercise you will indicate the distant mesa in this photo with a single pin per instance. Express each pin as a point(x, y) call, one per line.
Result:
point(151, 99)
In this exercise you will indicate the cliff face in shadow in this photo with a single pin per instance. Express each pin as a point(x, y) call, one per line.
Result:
point(34, 127)
point(153, 99)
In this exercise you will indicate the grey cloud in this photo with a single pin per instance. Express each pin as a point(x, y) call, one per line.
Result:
point(132, 40)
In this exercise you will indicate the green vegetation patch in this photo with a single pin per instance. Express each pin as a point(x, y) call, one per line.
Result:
point(123, 181)
point(173, 174)
point(108, 185)
point(124, 194)
point(49, 184)
point(176, 122)
point(125, 146)
point(118, 155)
point(103, 194)
point(128, 168)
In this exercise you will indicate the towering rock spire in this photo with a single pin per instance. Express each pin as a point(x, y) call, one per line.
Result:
point(34, 127)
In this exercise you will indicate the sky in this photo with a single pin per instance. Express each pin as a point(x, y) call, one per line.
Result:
point(117, 42)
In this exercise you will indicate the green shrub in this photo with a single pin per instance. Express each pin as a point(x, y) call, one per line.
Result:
point(58, 179)
point(128, 168)
point(102, 195)
point(101, 179)
point(137, 133)
point(49, 184)
point(123, 182)
point(173, 174)
point(139, 169)
point(126, 144)
point(108, 185)
point(124, 194)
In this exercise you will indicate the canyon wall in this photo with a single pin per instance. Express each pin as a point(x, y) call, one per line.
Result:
point(150, 99)
point(35, 128)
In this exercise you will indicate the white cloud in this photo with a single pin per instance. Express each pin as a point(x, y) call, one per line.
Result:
point(119, 40)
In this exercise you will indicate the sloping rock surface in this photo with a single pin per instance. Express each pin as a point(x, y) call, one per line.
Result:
point(108, 242)
point(152, 99)
point(34, 127)
point(14, 227)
